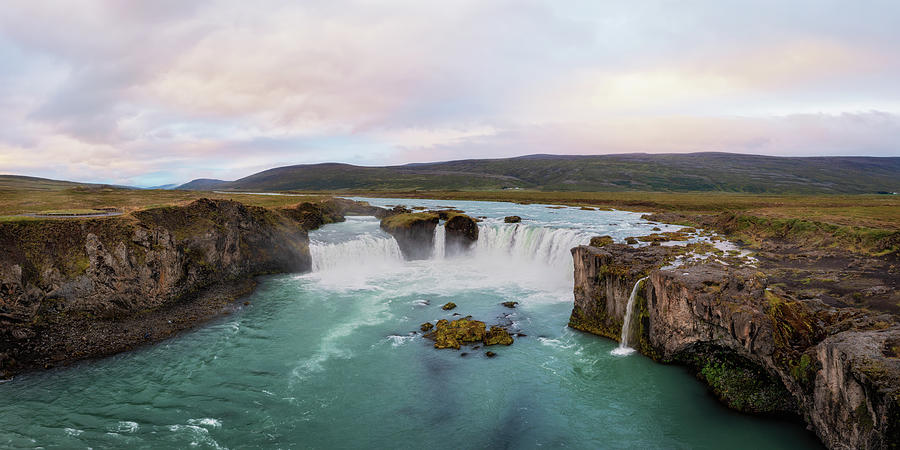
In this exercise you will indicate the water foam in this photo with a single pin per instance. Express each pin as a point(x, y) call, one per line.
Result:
point(365, 250)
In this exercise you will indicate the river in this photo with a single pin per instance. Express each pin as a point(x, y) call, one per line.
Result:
point(329, 359)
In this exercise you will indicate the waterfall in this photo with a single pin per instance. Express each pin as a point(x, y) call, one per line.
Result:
point(551, 246)
point(365, 250)
point(440, 242)
point(623, 348)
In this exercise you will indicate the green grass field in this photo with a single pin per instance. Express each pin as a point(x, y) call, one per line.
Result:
point(867, 219)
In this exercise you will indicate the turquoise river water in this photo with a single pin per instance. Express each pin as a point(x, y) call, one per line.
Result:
point(329, 359)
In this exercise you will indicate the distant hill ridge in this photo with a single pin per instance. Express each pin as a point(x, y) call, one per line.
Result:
point(721, 172)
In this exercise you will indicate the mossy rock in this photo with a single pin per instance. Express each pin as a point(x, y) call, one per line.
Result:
point(512, 219)
point(738, 382)
point(601, 241)
point(510, 304)
point(448, 306)
point(427, 326)
point(631, 240)
point(497, 336)
point(408, 220)
point(449, 334)
point(664, 237)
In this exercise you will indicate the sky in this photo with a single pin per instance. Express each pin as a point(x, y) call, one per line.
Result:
point(147, 93)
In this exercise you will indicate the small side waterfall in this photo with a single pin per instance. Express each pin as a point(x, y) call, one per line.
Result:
point(440, 242)
point(623, 348)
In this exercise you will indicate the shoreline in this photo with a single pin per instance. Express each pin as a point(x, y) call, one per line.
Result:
point(97, 339)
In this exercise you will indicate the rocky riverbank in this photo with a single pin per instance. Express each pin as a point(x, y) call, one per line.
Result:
point(74, 289)
point(760, 345)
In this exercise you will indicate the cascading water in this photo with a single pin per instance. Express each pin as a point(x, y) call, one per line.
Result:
point(312, 345)
point(365, 250)
point(623, 348)
point(549, 245)
point(440, 242)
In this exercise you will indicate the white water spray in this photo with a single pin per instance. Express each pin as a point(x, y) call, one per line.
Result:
point(551, 246)
point(440, 242)
point(365, 250)
point(623, 348)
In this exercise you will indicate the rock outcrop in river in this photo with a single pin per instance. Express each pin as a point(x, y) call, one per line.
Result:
point(71, 289)
point(415, 235)
point(759, 348)
point(462, 233)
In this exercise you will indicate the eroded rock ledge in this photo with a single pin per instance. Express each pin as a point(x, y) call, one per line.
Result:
point(73, 289)
point(758, 347)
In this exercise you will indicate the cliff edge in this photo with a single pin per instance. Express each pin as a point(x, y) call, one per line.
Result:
point(74, 289)
point(761, 349)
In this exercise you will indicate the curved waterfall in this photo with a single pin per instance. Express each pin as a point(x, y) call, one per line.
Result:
point(365, 250)
point(552, 246)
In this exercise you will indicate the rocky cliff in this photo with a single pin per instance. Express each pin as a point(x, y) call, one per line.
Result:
point(71, 289)
point(759, 348)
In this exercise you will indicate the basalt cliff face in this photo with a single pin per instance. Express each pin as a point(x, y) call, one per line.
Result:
point(71, 289)
point(759, 348)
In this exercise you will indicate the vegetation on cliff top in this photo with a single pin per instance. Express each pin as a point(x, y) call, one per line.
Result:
point(37, 197)
point(402, 221)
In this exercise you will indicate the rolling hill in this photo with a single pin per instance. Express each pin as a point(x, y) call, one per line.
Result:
point(720, 172)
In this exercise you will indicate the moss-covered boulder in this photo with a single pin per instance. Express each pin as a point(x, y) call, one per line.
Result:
point(449, 334)
point(462, 232)
point(601, 241)
point(497, 336)
point(414, 233)
point(664, 237)
point(512, 219)
point(427, 326)
point(510, 304)
point(448, 306)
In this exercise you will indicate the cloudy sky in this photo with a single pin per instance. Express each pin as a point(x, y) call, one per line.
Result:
point(152, 92)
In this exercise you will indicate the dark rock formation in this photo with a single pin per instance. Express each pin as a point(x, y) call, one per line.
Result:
point(510, 304)
point(759, 348)
point(512, 219)
point(447, 214)
point(62, 280)
point(414, 233)
point(462, 232)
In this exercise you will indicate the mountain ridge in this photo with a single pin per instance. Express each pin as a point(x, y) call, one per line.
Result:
point(670, 172)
